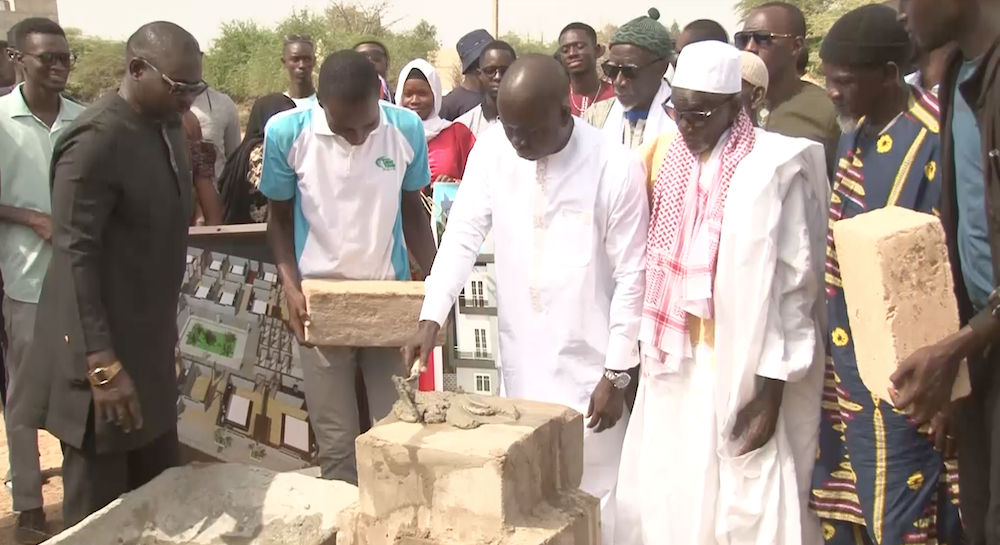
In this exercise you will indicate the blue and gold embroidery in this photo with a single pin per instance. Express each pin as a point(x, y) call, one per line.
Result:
point(930, 170)
point(884, 144)
point(840, 338)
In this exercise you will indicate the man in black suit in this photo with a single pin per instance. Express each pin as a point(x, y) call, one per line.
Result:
point(103, 360)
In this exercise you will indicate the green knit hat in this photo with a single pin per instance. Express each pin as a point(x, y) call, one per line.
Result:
point(646, 32)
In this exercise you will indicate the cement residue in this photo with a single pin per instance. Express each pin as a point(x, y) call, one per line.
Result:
point(461, 411)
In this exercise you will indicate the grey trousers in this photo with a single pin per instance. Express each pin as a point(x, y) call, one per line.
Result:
point(332, 401)
point(22, 441)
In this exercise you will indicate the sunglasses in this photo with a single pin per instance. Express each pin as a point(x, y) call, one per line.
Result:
point(760, 37)
point(692, 118)
point(493, 71)
point(51, 59)
point(297, 39)
point(178, 87)
point(628, 71)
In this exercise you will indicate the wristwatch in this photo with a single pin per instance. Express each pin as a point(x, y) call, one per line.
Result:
point(101, 376)
point(618, 379)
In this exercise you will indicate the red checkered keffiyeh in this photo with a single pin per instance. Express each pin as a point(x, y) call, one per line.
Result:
point(683, 243)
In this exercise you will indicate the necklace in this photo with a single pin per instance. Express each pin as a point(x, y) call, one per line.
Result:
point(585, 101)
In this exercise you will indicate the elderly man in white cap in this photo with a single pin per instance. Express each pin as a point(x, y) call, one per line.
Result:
point(722, 439)
point(755, 81)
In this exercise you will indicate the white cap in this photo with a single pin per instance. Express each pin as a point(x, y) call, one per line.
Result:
point(709, 67)
point(754, 70)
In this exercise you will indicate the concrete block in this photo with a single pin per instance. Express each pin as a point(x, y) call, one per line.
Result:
point(899, 291)
point(220, 503)
point(363, 313)
point(468, 483)
point(574, 519)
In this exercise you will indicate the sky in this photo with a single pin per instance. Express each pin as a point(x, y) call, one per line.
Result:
point(453, 18)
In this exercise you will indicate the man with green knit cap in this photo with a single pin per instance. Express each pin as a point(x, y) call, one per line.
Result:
point(639, 56)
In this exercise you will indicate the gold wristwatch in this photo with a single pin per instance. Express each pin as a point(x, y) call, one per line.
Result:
point(101, 376)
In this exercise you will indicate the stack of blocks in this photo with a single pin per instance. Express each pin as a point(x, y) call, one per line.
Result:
point(899, 291)
point(511, 483)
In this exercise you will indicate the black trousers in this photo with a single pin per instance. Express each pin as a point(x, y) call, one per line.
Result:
point(977, 430)
point(91, 481)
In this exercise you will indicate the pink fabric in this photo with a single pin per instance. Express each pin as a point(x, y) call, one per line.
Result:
point(683, 243)
point(448, 151)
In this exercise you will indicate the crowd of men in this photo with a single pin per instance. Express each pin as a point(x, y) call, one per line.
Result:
point(662, 241)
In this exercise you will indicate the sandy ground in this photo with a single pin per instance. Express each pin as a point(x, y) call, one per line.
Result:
point(52, 492)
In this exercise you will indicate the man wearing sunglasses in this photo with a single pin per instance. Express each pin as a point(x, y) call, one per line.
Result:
point(32, 116)
point(102, 364)
point(494, 62)
point(641, 51)
point(732, 373)
point(776, 31)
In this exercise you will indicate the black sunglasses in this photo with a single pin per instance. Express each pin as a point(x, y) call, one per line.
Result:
point(692, 118)
point(761, 37)
point(628, 71)
point(50, 59)
point(178, 87)
point(492, 71)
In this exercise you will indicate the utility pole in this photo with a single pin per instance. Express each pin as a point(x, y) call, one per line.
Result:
point(496, 19)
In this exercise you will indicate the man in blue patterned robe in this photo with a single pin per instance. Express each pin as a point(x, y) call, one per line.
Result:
point(878, 478)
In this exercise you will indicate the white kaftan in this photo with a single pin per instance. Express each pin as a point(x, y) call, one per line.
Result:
point(657, 121)
point(569, 236)
point(681, 480)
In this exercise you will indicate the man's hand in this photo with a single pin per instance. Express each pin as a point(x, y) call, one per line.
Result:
point(298, 317)
point(759, 418)
point(607, 404)
point(442, 179)
point(941, 429)
point(420, 346)
point(117, 403)
point(922, 383)
point(42, 225)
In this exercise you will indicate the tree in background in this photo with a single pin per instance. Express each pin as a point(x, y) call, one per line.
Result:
point(675, 31)
point(100, 67)
point(245, 62)
point(820, 16)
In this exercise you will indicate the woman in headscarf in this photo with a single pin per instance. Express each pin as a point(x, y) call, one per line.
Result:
point(448, 144)
point(242, 202)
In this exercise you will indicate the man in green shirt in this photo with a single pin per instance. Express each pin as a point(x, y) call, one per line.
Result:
point(776, 33)
point(32, 117)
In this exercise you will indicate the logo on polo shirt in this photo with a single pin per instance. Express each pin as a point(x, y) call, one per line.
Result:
point(385, 163)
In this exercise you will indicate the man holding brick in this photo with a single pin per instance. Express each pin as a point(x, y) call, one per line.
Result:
point(721, 443)
point(888, 157)
point(970, 195)
point(343, 180)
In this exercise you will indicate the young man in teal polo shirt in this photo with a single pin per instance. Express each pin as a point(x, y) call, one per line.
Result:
point(343, 180)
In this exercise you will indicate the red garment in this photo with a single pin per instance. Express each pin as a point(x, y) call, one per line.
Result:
point(448, 151)
point(579, 103)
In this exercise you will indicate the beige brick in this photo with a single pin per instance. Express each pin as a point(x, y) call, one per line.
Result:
point(899, 291)
point(363, 313)
point(467, 484)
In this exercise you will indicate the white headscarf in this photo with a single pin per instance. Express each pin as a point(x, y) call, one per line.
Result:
point(433, 125)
